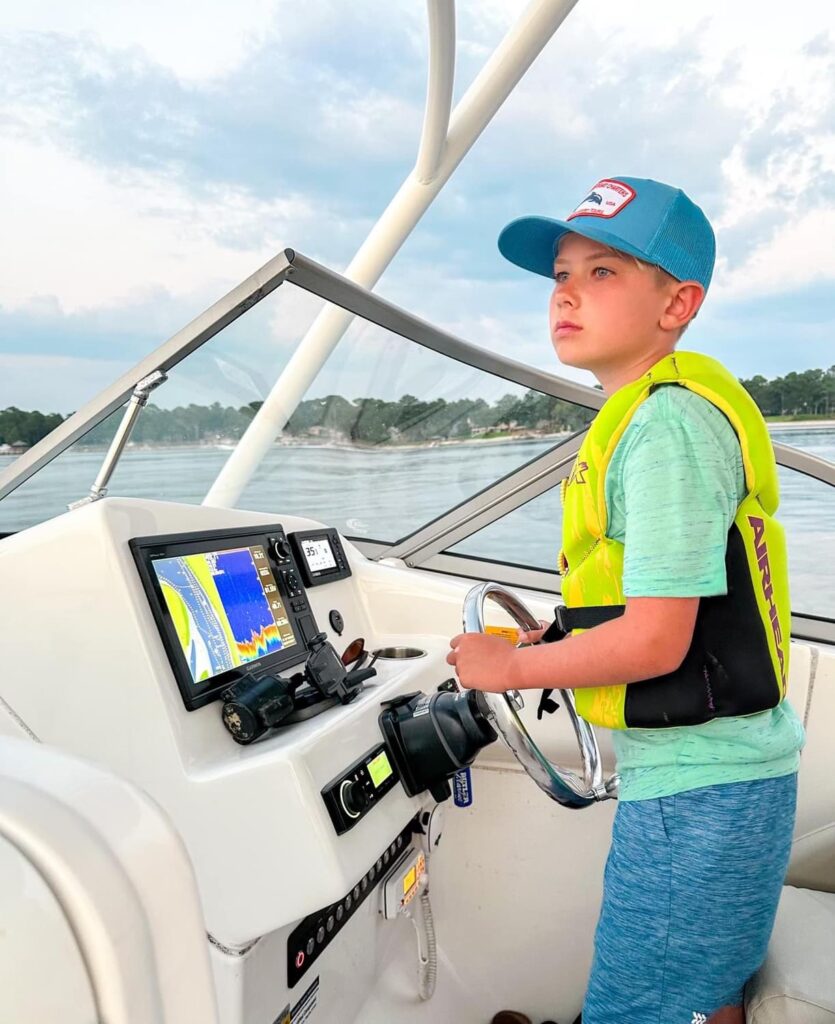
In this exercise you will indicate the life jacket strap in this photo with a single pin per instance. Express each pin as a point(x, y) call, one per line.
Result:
point(565, 620)
point(587, 617)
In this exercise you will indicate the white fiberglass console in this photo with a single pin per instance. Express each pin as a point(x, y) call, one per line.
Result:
point(105, 657)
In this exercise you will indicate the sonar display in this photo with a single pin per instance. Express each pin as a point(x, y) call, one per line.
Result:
point(225, 607)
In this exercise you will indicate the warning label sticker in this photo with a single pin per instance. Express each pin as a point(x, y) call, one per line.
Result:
point(303, 1010)
point(505, 632)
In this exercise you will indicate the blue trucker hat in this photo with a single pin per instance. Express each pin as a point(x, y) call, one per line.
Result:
point(638, 216)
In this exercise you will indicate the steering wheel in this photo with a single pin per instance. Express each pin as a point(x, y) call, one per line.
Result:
point(561, 784)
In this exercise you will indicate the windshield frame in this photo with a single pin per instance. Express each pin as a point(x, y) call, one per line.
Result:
point(426, 547)
point(292, 266)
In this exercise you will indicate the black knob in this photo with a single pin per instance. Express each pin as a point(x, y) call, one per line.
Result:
point(281, 549)
point(354, 798)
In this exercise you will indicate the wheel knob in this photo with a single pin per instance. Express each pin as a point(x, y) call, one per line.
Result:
point(353, 797)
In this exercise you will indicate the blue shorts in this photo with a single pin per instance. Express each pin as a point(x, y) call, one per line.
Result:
point(690, 895)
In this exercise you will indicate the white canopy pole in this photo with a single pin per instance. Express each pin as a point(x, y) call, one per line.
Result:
point(437, 160)
point(439, 90)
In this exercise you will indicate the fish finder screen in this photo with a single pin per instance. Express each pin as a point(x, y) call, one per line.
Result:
point(225, 607)
point(318, 554)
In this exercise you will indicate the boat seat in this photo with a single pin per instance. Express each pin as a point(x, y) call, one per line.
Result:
point(796, 984)
point(812, 864)
point(109, 884)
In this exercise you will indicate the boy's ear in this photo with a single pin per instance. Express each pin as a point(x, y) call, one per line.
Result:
point(684, 302)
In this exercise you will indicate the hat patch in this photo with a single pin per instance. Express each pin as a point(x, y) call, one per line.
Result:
point(606, 199)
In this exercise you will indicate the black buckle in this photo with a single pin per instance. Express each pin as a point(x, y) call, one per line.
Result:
point(561, 618)
point(559, 628)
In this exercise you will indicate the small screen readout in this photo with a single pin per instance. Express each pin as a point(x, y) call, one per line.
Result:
point(225, 607)
point(318, 553)
point(379, 769)
point(409, 880)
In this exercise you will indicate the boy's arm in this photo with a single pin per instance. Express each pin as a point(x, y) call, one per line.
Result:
point(650, 639)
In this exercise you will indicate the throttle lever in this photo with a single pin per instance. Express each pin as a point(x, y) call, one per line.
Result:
point(325, 671)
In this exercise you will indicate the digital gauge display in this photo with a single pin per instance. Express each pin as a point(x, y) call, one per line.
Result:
point(379, 769)
point(318, 554)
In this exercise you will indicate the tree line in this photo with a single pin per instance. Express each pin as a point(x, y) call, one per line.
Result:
point(407, 420)
point(810, 393)
point(364, 420)
point(16, 425)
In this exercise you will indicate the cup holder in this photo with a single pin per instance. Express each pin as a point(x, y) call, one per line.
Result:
point(398, 653)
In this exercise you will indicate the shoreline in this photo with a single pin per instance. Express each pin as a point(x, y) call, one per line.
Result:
point(801, 424)
point(335, 445)
point(828, 424)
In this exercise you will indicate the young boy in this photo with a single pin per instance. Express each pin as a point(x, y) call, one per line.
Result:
point(670, 548)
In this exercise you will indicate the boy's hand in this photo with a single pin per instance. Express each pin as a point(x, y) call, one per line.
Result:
point(484, 662)
point(533, 636)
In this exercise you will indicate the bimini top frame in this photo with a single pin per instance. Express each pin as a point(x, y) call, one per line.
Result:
point(446, 138)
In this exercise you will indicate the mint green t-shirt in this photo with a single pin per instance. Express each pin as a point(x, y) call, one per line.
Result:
point(672, 490)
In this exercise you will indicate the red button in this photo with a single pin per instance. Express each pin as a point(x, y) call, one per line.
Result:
point(300, 958)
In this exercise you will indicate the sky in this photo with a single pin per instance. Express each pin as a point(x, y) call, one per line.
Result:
point(154, 155)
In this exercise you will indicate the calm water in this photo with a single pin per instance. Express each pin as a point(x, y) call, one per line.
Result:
point(386, 494)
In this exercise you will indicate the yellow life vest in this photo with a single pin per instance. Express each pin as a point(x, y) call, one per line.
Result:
point(739, 658)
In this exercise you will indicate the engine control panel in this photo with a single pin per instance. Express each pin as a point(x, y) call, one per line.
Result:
point(315, 932)
point(167, 607)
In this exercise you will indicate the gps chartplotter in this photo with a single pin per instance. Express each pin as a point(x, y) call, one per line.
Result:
point(227, 603)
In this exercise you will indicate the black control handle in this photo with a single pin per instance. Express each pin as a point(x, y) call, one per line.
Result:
point(325, 671)
point(256, 704)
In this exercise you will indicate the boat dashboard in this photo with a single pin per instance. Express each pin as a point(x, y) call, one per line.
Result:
point(181, 647)
point(144, 634)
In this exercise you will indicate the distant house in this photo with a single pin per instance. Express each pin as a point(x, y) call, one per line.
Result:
point(15, 448)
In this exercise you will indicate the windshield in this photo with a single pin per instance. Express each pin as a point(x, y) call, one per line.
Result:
point(388, 436)
point(391, 436)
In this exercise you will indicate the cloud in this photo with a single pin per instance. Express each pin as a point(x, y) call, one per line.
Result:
point(195, 41)
point(264, 124)
point(797, 255)
point(22, 380)
point(94, 239)
point(148, 168)
point(69, 357)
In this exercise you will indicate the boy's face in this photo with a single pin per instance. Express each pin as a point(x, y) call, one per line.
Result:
point(606, 311)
